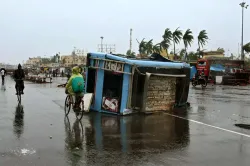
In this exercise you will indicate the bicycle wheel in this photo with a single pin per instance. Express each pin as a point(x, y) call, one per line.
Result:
point(194, 83)
point(79, 113)
point(204, 84)
point(67, 105)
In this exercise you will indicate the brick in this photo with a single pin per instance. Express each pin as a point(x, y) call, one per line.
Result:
point(153, 98)
point(161, 93)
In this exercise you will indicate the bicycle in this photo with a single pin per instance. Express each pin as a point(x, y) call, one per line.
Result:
point(19, 91)
point(78, 102)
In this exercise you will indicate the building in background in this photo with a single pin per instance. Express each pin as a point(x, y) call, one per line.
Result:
point(77, 57)
point(218, 54)
point(51, 65)
point(80, 52)
point(33, 61)
point(71, 60)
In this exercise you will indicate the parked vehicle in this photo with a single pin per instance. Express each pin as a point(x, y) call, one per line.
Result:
point(201, 80)
point(224, 67)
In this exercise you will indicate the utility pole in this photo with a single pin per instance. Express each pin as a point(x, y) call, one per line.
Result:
point(130, 41)
point(243, 6)
point(101, 43)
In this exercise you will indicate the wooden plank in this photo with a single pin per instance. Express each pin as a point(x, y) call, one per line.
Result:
point(97, 63)
point(168, 75)
point(122, 67)
point(129, 105)
point(88, 97)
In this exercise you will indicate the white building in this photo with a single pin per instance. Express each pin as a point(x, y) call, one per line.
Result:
point(69, 60)
point(33, 61)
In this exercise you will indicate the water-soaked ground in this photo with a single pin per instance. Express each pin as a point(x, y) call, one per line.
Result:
point(43, 136)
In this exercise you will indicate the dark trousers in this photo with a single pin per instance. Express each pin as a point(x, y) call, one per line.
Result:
point(3, 80)
point(21, 84)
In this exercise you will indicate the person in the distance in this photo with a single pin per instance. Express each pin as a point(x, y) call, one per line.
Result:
point(19, 76)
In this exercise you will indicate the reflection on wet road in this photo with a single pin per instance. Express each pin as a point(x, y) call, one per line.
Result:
point(18, 121)
point(37, 133)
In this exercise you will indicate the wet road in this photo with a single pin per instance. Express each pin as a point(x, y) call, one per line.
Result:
point(43, 136)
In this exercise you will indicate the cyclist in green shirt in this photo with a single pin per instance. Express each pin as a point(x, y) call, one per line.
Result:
point(75, 85)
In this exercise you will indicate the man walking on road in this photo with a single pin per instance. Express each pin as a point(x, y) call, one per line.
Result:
point(19, 76)
point(3, 73)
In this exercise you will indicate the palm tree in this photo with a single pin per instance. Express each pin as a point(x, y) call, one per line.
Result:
point(164, 45)
point(246, 47)
point(157, 48)
point(131, 53)
point(177, 35)
point(149, 47)
point(202, 39)
point(187, 39)
point(182, 53)
point(167, 38)
point(142, 46)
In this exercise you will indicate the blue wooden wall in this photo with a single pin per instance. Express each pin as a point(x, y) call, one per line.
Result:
point(125, 88)
point(99, 87)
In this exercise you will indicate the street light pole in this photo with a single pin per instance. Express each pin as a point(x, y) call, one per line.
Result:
point(243, 6)
point(102, 43)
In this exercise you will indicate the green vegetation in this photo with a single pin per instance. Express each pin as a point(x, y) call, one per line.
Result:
point(167, 38)
point(221, 50)
point(157, 48)
point(130, 54)
point(202, 39)
point(187, 39)
point(45, 60)
point(246, 48)
point(175, 37)
point(52, 59)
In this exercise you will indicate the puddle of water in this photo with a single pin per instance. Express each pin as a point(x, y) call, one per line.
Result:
point(26, 152)
point(19, 152)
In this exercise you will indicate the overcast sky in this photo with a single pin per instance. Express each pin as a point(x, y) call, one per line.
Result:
point(31, 28)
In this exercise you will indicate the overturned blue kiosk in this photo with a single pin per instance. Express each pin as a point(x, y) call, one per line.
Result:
point(128, 85)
